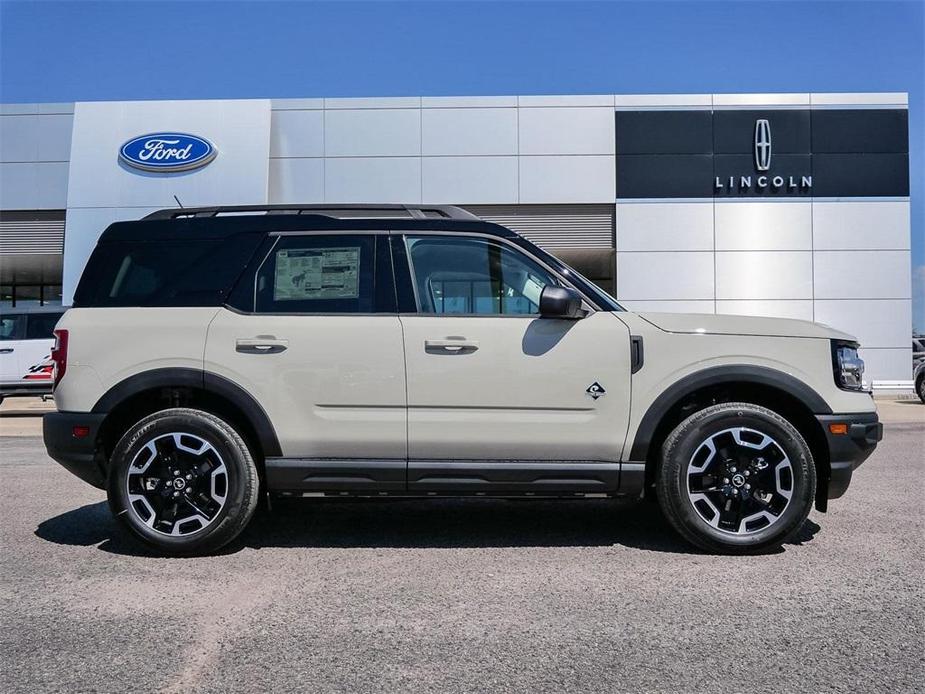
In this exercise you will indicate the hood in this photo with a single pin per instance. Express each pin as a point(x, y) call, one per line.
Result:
point(710, 324)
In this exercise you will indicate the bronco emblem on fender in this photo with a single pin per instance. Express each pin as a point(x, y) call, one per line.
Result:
point(596, 390)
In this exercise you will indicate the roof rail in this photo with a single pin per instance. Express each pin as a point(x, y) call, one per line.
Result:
point(346, 211)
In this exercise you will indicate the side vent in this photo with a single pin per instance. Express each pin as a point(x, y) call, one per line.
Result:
point(637, 356)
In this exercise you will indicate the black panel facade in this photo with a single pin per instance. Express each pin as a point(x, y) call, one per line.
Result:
point(762, 153)
point(877, 131)
point(844, 175)
point(664, 132)
point(664, 176)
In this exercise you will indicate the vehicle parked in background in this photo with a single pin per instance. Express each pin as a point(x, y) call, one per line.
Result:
point(918, 378)
point(918, 349)
point(216, 354)
point(26, 339)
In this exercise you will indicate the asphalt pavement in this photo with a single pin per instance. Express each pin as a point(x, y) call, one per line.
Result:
point(462, 595)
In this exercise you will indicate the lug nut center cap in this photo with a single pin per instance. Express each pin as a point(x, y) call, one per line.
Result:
point(738, 479)
point(179, 483)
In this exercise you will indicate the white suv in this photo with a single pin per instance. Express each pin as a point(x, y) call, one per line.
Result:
point(216, 354)
point(26, 340)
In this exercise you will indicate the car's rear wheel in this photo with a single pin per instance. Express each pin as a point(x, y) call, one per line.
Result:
point(183, 481)
point(920, 388)
point(736, 478)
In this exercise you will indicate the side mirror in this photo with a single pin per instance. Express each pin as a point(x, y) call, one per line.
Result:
point(560, 302)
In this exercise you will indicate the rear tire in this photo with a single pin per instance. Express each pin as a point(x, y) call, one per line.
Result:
point(736, 478)
point(920, 389)
point(183, 481)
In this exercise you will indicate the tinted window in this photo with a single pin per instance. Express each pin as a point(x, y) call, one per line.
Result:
point(455, 275)
point(318, 274)
point(197, 272)
point(40, 326)
point(12, 326)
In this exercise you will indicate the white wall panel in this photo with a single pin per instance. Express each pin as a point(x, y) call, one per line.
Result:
point(567, 131)
point(372, 133)
point(800, 309)
point(567, 179)
point(861, 225)
point(875, 322)
point(639, 306)
point(296, 181)
point(686, 275)
point(862, 275)
point(669, 226)
point(381, 179)
point(887, 364)
point(764, 226)
point(468, 101)
point(297, 134)
point(469, 131)
point(35, 138)
point(33, 186)
point(477, 180)
point(764, 275)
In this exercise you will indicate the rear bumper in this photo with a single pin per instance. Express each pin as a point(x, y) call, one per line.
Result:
point(848, 451)
point(76, 455)
point(25, 388)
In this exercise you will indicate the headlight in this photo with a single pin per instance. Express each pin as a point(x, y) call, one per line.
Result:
point(847, 365)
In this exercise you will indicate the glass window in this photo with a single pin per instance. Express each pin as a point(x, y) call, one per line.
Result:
point(12, 326)
point(40, 326)
point(318, 274)
point(466, 275)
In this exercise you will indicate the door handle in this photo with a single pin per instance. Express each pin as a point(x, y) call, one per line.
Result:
point(452, 346)
point(6, 350)
point(262, 344)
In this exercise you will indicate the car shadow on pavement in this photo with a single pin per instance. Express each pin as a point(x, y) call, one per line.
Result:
point(415, 524)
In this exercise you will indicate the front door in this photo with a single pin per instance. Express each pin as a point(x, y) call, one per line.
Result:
point(494, 390)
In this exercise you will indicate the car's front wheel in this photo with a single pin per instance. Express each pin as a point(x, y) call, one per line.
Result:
point(736, 478)
point(183, 481)
point(920, 388)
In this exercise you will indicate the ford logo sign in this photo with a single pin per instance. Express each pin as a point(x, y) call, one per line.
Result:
point(167, 152)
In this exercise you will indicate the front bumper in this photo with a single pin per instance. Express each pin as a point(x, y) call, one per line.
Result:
point(847, 451)
point(76, 455)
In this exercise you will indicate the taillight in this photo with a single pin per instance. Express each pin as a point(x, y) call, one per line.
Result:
point(59, 355)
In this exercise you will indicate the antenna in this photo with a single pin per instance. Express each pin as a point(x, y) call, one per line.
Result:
point(178, 201)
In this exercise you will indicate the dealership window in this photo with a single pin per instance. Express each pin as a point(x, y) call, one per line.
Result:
point(26, 295)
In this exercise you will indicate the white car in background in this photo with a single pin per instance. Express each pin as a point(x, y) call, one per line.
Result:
point(26, 339)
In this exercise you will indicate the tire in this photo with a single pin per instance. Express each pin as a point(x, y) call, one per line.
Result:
point(920, 389)
point(183, 481)
point(709, 465)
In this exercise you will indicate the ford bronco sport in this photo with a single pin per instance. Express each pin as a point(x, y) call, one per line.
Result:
point(216, 354)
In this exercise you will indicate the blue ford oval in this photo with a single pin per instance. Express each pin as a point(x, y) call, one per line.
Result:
point(167, 152)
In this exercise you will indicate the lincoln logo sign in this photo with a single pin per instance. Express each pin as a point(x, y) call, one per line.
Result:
point(167, 152)
point(749, 183)
point(762, 145)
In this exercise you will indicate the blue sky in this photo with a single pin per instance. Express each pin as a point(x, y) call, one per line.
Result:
point(74, 51)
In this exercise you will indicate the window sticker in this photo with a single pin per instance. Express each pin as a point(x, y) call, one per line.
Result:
point(317, 273)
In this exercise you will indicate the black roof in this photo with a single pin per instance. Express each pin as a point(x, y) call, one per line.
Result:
point(223, 222)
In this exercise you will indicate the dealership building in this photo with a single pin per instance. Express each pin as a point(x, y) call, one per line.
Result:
point(791, 205)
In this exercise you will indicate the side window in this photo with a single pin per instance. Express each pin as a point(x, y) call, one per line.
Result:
point(12, 326)
point(41, 326)
point(318, 274)
point(467, 275)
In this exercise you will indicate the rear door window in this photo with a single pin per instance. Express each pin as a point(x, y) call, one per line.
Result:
point(12, 326)
point(41, 326)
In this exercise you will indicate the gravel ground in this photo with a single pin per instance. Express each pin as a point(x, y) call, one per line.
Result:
point(463, 595)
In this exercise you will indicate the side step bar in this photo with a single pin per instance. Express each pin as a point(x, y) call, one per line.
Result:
point(428, 477)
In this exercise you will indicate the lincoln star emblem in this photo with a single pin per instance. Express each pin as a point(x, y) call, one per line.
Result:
point(762, 144)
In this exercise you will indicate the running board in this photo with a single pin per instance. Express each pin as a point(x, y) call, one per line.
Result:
point(444, 477)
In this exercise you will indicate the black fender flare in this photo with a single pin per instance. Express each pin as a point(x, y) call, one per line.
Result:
point(718, 375)
point(179, 377)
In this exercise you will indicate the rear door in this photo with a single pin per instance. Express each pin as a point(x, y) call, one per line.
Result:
point(496, 393)
point(320, 349)
point(35, 353)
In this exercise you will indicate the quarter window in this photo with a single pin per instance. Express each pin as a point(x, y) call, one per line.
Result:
point(466, 275)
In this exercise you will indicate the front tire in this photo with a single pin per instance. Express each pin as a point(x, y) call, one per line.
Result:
point(920, 389)
point(183, 481)
point(736, 478)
